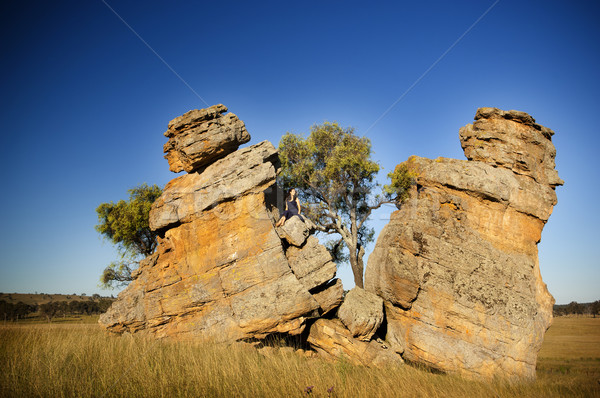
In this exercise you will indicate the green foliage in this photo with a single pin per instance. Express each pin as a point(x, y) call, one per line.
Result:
point(53, 309)
point(334, 174)
point(595, 308)
point(336, 249)
point(331, 162)
point(118, 273)
point(401, 180)
point(126, 224)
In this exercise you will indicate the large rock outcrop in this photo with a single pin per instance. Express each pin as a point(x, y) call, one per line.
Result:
point(457, 264)
point(453, 281)
point(221, 269)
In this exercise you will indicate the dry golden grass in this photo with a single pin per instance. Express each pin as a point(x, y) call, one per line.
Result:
point(81, 360)
point(572, 338)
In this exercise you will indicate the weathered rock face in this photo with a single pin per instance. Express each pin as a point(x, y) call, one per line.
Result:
point(457, 265)
point(199, 137)
point(361, 313)
point(524, 147)
point(295, 231)
point(329, 296)
point(311, 263)
point(332, 340)
point(249, 170)
point(221, 271)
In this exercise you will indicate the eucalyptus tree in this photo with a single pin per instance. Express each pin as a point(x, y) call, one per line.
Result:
point(334, 174)
point(126, 225)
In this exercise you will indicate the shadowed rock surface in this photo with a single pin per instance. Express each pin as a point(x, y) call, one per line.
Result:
point(457, 265)
point(329, 296)
point(333, 340)
point(311, 263)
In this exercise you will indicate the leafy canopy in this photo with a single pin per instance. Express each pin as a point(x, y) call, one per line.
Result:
point(126, 225)
point(335, 176)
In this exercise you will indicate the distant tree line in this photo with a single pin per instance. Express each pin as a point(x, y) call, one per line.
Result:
point(13, 312)
point(575, 308)
point(51, 309)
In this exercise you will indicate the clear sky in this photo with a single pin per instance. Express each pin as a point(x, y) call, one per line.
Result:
point(85, 101)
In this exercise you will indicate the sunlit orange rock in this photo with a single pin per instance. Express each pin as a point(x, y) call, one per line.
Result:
point(457, 265)
point(221, 271)
point(201, 136)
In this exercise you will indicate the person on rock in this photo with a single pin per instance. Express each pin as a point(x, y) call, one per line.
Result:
point(292, 208)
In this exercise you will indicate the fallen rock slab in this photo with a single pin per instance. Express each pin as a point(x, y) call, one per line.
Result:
point(329, 296)
point(311, 263)
point(332, 340)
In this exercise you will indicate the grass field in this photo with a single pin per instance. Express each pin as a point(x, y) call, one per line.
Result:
point(79, 359)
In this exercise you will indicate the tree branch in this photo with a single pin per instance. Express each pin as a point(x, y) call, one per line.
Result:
point(374, 207)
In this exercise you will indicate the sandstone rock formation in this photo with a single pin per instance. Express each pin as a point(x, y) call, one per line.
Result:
point(311, 263)
point(457, 265)
point(453, 281)
point(329, 296)
point(332, 340)
point(199, 137)
point(221, 270)
point(295, 231)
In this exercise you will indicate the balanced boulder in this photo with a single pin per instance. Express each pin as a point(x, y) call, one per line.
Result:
point(201, 136)
point(362, 313)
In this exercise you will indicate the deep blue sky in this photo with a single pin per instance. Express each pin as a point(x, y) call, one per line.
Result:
point(85, 103)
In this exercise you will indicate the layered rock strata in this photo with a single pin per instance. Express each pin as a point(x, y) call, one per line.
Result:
point(332, 340)
point(457, 265)
point(221, 270)
point(201, 136)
